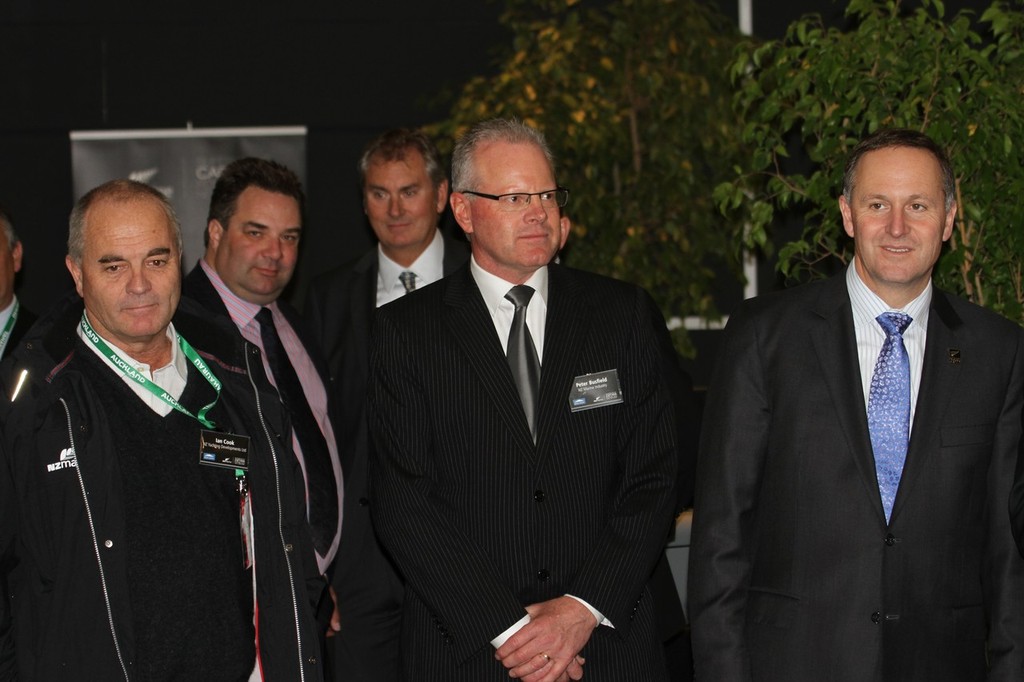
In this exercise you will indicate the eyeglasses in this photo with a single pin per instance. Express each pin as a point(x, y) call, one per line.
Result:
point(517, 201)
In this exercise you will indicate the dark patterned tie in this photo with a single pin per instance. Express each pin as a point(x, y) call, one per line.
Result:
point(522, 355)
point(322, 488)
point(408, 279)
point(889, 408)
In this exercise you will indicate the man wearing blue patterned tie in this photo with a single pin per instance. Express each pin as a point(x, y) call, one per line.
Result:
point(859, 445)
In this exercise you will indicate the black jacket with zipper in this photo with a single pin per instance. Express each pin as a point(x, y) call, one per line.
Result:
point(66, 614)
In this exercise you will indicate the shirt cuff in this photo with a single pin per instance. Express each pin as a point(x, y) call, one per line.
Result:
point(516, 627)
point(598, 616)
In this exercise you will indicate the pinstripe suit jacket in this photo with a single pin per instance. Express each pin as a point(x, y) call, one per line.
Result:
point(480, 520)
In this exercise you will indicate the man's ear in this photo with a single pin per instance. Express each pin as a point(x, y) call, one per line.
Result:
point(76, 272)
point(16, 253)
point(442, 196)
point(844, 208)
point(214, 231)
point(463, 212)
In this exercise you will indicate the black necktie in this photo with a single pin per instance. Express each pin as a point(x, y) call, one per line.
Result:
point(320, 483)
point(522, 355)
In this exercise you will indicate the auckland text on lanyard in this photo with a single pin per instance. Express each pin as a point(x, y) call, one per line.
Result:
point(141, 379)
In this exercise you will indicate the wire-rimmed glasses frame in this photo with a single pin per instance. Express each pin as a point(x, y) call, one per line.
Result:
point(517, 201)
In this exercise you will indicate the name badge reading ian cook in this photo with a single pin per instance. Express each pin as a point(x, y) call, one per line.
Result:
point(595, 390)
point(228, 450)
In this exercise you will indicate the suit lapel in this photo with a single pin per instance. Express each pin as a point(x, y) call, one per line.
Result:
point(456, 254)
point(835, 343)
point(938, 379)
point(199, 288)
point(565, 330)
point(470, 324)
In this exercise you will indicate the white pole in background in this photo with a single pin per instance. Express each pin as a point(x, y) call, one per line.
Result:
point(745, 13)
point(746, 21)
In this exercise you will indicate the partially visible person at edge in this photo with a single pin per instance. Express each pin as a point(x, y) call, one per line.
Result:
point(15, 319)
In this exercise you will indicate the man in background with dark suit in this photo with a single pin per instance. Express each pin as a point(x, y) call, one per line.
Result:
point(404, 193)
point(524, 469)
point(14, 318)
point(859, 443)
point(252, 241)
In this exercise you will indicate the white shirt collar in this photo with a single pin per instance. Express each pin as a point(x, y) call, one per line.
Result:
point(494, 288)
point(5, 314)
point(867, 305)
point(428, 267)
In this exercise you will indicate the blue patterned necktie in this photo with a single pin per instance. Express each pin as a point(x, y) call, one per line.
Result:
point(889, 407)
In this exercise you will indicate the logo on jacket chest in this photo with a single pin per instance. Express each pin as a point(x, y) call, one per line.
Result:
point(66, 461)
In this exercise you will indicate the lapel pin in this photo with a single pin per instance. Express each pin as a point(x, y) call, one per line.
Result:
point(954, 356)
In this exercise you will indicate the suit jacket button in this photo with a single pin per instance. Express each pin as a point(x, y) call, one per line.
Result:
point(543, 575)
point(890, 540)
point(538, 495)
point(875, 617)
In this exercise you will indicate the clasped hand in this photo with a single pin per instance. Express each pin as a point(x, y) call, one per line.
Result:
point(546, 648)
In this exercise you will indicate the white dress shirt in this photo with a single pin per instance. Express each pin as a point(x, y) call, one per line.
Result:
point(171, 377)
point(493, 290)
point(428, 268)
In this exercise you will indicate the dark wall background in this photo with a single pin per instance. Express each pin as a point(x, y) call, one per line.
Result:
point(345, 70)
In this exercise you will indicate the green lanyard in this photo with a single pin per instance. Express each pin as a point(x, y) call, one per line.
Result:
point(5, 336)
point(139, 378)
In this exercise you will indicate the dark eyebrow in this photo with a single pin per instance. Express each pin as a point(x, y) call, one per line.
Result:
point(261, 226)
point(114, 258)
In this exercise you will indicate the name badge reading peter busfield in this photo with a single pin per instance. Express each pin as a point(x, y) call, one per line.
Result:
point(595, 390)
point(228, 450)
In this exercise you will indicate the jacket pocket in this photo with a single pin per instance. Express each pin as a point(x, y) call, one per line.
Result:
point(960, 436)
point(771, 608)
point(969, 623)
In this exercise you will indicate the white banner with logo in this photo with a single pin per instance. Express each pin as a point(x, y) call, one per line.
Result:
point(183, 164)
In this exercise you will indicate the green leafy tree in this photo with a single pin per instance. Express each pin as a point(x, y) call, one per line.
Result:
point(821, 90)
point(633, 98)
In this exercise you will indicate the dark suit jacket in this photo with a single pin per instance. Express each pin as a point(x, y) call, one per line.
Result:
point(340, 308)
point(198, 287)
point(794, 573)
point(480, 520)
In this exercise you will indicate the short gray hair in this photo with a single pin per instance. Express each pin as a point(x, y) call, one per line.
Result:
point(509, 130)
point(120, 192)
